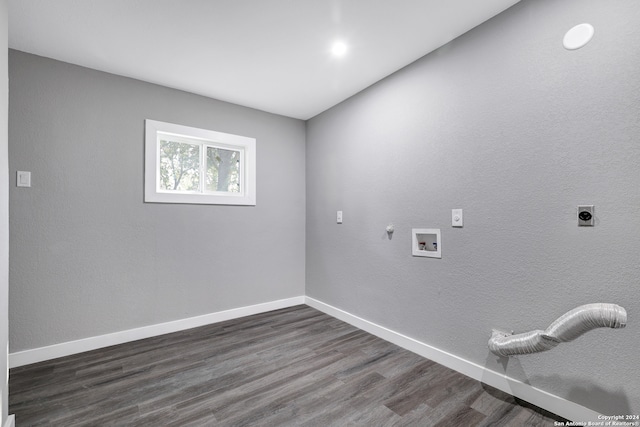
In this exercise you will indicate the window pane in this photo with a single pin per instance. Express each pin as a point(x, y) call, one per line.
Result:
point(223, 170)
point(179, 166)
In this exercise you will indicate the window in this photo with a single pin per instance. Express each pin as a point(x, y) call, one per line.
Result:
point(191, 165)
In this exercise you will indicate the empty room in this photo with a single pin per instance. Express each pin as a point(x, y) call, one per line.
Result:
point(320, 213)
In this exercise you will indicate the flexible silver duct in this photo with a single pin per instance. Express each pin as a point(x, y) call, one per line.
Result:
point(567, 327)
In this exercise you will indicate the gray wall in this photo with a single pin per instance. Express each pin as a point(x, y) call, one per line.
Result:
point(508, 125)
point(4, 213)
point(88, 257)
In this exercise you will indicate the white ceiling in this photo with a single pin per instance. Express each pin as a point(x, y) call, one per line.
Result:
point(273, 55)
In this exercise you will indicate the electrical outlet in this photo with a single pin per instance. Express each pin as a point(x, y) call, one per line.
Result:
point(456, 218)
point(585, 215)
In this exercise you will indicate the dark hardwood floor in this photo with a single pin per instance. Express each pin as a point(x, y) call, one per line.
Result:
point(291, 367)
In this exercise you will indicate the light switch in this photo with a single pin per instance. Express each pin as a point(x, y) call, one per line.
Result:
point(456, 217)
point(23, 179)
point(339, 217)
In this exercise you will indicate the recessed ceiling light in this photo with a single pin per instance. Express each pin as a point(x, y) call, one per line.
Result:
point(339, 49)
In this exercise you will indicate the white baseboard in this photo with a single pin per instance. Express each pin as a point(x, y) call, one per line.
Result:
point(535, 396)
point(11, 421)
point(41, 354)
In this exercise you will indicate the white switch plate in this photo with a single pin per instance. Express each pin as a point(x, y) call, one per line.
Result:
point(23, 179)
point(456, 217)
point(339, 217)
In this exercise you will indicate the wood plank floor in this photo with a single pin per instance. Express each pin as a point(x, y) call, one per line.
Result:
point(291, 367)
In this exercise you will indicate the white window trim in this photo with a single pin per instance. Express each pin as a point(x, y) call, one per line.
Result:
point(246, 145)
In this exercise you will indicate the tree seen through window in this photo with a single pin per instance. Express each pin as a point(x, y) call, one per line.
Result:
point(181, 169)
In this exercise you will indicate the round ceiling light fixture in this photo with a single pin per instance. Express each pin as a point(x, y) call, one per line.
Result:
point(578, 36)
point(339, 48)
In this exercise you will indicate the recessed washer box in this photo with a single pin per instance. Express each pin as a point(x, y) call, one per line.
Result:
point(426, 242)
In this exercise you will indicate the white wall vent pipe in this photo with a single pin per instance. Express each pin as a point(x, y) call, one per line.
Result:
point(567, 327)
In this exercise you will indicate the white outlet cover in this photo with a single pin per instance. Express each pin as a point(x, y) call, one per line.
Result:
point(456, 218)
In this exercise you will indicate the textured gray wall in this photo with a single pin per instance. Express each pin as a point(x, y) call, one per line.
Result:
point(4, 212)
point(508, 125)
point(88, 257)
